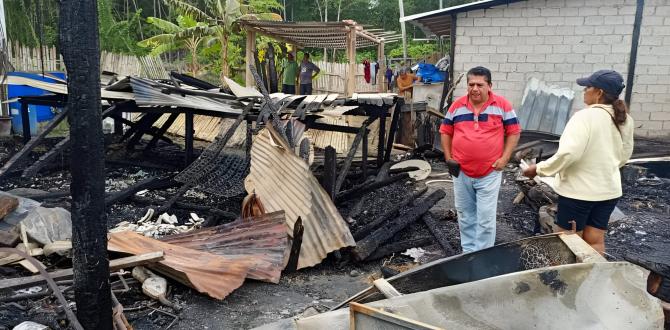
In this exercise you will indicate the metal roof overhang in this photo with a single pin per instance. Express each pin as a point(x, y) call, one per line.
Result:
point(438, 22)
point(318, 34)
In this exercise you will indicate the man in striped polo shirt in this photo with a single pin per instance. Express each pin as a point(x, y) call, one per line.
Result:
point(479, 131)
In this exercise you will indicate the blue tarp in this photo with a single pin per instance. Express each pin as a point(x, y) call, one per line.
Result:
point(429, 73)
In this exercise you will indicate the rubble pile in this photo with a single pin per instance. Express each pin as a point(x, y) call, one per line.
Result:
point(163, 225)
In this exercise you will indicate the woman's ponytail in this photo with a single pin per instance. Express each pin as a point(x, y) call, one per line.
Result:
point(620, 109)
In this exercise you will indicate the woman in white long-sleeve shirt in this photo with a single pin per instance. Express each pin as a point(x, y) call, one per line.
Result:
point(596, 142)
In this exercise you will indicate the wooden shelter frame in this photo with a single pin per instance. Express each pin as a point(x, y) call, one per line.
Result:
point(346, 34)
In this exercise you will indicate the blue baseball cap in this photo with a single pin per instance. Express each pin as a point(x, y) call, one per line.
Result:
point(609, 81)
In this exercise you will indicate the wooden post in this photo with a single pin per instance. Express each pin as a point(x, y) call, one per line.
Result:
point(381, 84)
point(249, 57)
point(330, 171)
point(25, 121)
point(188, 135)
point(80, 46)
point(350, 86)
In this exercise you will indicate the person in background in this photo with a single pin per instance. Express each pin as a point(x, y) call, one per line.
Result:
point(290, 75)
point(406, 80)
point(389, 78)
point(596, 142)
point(479, 132)
point(308, 71)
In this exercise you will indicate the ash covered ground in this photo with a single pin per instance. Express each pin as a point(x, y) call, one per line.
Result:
point(644, 229)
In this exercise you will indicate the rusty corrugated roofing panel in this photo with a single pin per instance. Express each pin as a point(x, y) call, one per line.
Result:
point(283, 181)
point(207, 273)
point(262, 241)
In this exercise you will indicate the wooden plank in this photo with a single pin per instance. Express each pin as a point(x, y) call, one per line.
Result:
point(30, 267)
point(386, 288)
point(392, 321)
point(114, 265)
point(582, 250)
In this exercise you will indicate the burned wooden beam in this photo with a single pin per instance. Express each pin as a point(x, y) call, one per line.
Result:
point(388, 215)
point(399, 247)
point(161, 131)
point(330, 171)
point(150, 184)
point(168, 204)
point(25, 120)
point(381, 175)
point(188, 136)
point(364, 156)
point(151, 131)
point(431, 223)
point(382, 137)
point(114, 265)
point(143, 126)
point(57, 150)
point(32, 143)
point(334, 128)
point(298, 230)
point(363, 189)
point(189, 207)
point(395, 121)
point(366, 246)
point(350, 155)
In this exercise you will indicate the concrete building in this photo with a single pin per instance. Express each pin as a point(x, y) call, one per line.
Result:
point(559, 41)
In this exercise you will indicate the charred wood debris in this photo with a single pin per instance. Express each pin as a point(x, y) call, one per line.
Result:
point(205, 216)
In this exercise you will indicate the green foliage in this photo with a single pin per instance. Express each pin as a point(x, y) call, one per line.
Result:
point(414, 50)
point(118, 36)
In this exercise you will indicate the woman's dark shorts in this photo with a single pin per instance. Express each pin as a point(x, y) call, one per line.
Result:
point(584, 213)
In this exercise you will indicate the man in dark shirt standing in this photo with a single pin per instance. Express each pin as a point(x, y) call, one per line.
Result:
point(308, 71)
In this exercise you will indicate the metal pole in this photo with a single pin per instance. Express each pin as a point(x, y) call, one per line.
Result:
point(441, 4)
point(402, 29)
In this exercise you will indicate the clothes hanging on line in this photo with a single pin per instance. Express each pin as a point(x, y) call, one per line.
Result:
point(366, 70)
point(374, 67)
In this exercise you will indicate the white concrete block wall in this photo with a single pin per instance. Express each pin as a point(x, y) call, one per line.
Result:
point(650, 102)
point(559, 41)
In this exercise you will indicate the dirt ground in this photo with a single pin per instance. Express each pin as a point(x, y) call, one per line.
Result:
point(643, 230)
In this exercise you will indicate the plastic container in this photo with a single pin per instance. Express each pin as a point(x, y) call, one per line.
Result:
point(37, 113)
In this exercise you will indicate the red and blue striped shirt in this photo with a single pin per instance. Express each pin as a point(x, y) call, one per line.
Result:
point(479, 139)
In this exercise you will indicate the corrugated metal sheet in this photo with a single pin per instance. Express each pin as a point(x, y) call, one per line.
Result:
point(205, 272)
point(263, 241)
point(283, 181)
point(322, 139)
point(545, 108)
point(149, 92)
point(319, 34)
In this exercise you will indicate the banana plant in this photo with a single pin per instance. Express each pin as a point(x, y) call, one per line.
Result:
point(186, 34)
point(222, 18)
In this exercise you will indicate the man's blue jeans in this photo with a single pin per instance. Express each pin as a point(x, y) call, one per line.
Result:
point(476, 203)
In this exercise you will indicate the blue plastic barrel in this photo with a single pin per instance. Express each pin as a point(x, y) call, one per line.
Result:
point(37, 113)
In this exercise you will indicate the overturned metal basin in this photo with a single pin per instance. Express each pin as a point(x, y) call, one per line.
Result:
point(529, 253)
point(603, 295)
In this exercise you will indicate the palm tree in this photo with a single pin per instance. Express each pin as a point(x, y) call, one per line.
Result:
point(187, 33)
point(222, 18)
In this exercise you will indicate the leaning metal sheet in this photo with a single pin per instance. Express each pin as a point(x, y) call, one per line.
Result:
point(148, 92)
point(283, 181)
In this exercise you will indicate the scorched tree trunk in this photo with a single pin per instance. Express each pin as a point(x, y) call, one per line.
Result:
point(80, 47)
